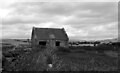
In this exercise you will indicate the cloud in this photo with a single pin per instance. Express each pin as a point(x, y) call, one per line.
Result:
point(81, 20)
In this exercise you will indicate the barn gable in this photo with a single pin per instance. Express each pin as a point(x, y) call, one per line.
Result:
point(45, 34)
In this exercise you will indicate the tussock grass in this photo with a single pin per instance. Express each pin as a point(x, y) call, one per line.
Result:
point(63, 59)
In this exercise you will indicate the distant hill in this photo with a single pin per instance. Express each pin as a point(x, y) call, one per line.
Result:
point(105, 40)
point(15, 42)
point(109, 40)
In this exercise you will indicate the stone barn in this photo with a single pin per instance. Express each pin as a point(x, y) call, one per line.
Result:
point(49, 36)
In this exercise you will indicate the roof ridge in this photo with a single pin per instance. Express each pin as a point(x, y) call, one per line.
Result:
point(45, 28)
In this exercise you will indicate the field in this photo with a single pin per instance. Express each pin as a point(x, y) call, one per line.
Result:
point(25, 58)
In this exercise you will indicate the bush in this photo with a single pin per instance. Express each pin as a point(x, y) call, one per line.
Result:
point(63, 49)
point(6, 48)
point(38, 48)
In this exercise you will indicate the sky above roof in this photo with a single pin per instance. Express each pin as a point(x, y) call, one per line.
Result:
point(81, 20)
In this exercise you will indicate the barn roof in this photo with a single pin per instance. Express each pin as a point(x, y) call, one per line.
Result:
point(48, 33)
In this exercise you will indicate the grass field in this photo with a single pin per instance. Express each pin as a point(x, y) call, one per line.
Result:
point(93, 60)
point(25, 58)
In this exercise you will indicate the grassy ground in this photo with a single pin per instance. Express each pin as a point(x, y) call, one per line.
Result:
point(25, 58)
point(63, 61)
point(91, 61)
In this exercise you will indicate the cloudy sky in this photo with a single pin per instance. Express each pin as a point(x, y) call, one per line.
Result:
point(81, 20)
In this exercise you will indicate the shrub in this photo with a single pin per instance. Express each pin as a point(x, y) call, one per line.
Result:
point(38, 48)
point(6, 48)
point(63, 49)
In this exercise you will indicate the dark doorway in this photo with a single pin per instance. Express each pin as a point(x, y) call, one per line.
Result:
point(43, 43)
point(57, 43)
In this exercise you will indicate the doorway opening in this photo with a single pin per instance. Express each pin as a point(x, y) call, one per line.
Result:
point(57, 43)
point(42, 43)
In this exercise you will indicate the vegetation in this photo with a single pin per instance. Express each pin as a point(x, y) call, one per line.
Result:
point(79, 58)
point(63, 49)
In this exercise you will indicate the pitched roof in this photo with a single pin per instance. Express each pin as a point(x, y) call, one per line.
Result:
point(48, 33)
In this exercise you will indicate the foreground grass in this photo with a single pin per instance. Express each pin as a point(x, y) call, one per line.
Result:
point(63, 60)
point(91, 62)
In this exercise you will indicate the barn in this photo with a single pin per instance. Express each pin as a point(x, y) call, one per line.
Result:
point(49, 36)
